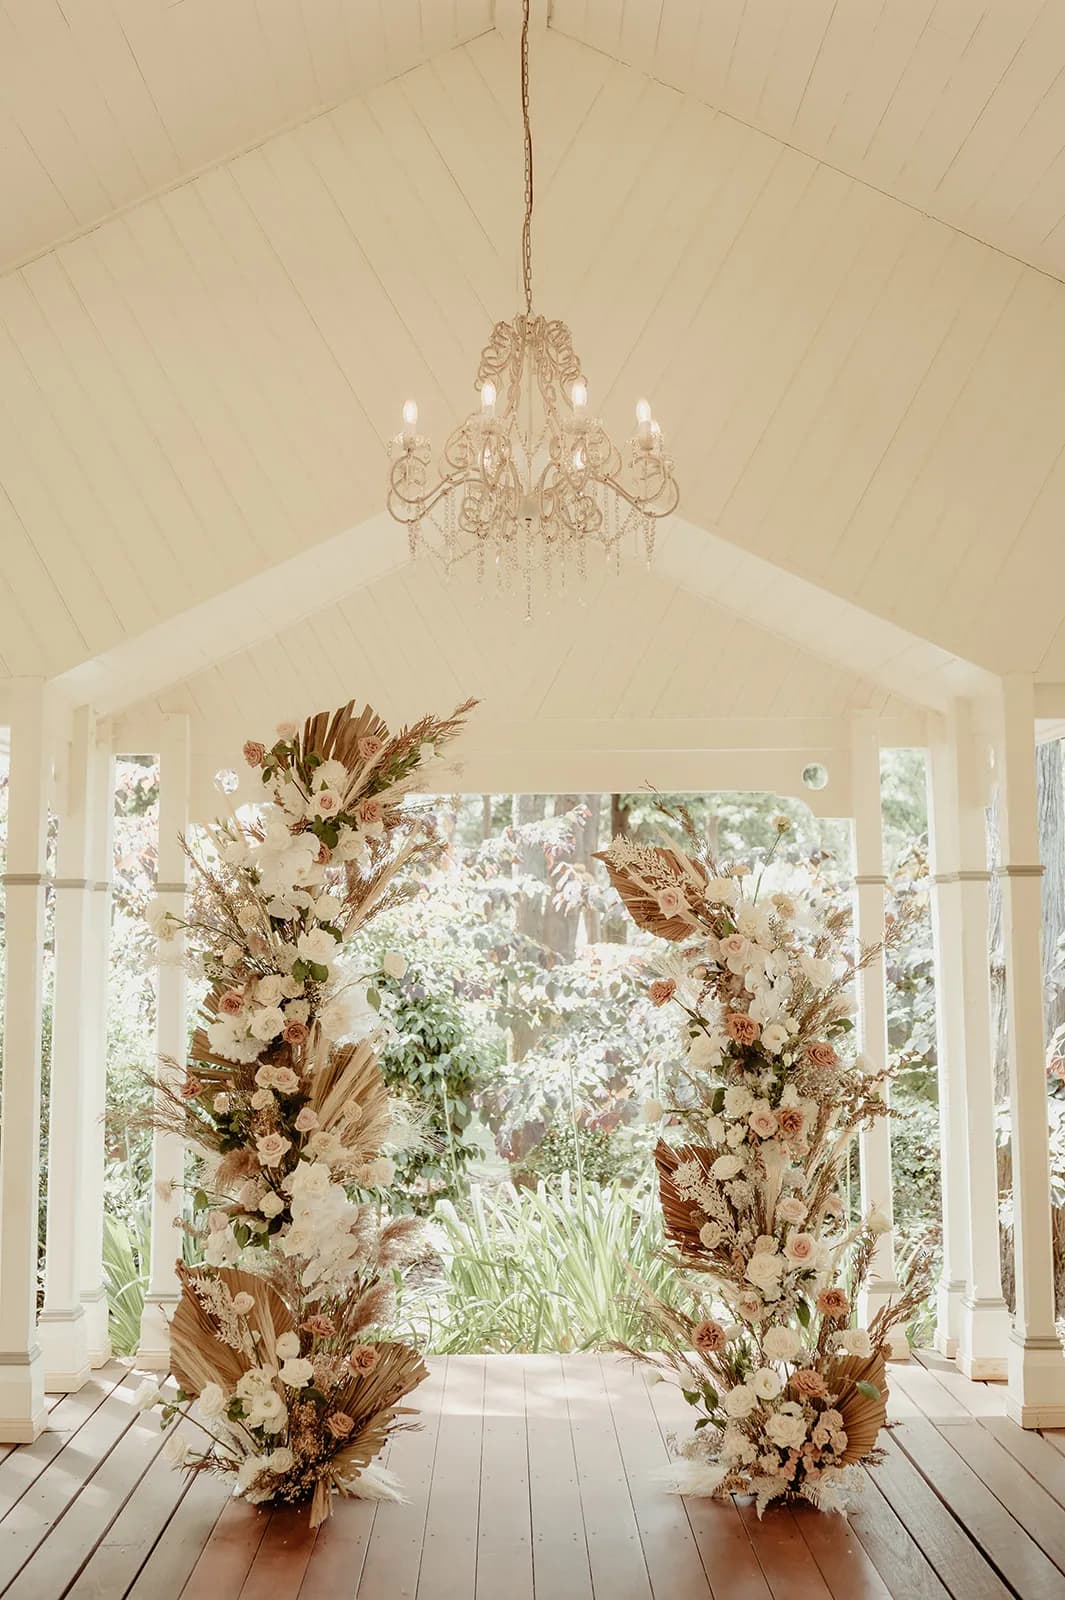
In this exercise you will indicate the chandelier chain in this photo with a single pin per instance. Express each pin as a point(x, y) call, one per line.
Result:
point(526, 232)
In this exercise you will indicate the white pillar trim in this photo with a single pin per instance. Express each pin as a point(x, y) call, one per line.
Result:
point(1036, 1394)
point(22, 1408)
point(97, 976)
point(870, 882)
point(168, 1150)
point(61, 1327)
point(973, 1321)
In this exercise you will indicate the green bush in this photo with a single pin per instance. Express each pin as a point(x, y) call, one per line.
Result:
point(558, 1267)
point(126, 1277)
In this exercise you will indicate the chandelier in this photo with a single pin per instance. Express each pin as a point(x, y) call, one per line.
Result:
point(531, 479)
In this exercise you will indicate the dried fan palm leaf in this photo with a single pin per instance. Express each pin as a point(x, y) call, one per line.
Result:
point(683, 1216)
point(863, 1417)
point(200, 1347)
point(348, 1089)
point(641, 902)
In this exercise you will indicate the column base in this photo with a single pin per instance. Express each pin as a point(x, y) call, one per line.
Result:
point(23, 1412)
point(950, 1294)
point(97, 1327)
point(876, 1294)
point(153, 1351)
point(984, 1340)
point(65, 1348)
point(1036, 1394)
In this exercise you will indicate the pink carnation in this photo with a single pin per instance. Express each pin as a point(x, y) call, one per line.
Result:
point(661, 990)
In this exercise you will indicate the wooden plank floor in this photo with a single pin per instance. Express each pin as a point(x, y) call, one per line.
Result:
point(531, 1478)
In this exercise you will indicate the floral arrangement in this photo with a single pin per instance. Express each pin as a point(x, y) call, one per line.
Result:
point(790, 1394)
point(276, 1343)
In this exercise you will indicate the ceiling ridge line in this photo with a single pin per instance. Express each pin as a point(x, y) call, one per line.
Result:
point(752, 127)
point(10, 268)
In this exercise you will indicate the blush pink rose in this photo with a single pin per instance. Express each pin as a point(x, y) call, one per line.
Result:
point(661, 990)
point(808, 1384)
point(369, 746)
point(791, 1121)
point(231, 1003)
point(363, 1358)
point(800, 1248)
point(295, 1032)
point(254, 753)
point(671, 902)
point(821, 1055)
point(708, 1336)
point(339, 1424)
point(371, 812)
point(742, 1028)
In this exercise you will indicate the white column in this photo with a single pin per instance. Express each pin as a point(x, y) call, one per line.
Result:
point(62, 1328)
point(950, 1031)
point(22, 1411)
point(1036, 1394)
point(869, 886)
point(97, 977)
point(983, 1340)
point(171, 1033)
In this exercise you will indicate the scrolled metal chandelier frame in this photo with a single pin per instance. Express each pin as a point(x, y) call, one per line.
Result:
point(531, 478)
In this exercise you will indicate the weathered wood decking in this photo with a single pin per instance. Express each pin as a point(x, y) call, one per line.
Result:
point(529, 1480)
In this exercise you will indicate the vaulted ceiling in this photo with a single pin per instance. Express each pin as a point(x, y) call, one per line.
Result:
point(202, 357)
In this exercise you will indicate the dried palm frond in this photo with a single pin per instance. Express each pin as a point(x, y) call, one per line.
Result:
point(683, 1216)
point(208, 1342)
point(641, 902)
point(863, 1416)
point(348, 1092)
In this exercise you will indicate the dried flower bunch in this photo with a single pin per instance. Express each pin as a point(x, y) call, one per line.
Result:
point(790, 1393)
point(284, 1101)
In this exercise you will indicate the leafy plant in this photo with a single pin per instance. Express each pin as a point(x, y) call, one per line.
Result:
point(126, 1248)
point(558, 1267)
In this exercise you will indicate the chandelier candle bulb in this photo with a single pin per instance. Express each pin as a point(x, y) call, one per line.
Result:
point(579, 397)
point(410, 421)
point(645, 427)
point(488, 399)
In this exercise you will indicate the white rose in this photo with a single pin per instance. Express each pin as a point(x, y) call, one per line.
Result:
point(297, 1373)
point(715, 1130)
point(250, 1468)
point(780, 1343)
point(856, 1342)
point(764, 1270)
point(316, 945)
point(288, 1344)
point(268, 990)
point(818, 973)
point(786, 1430)
point(212, 1400)
point(220, 1104)
point(267, 1023)
point(738, 1100)
point(297, 1011)
point(736, 1135)
point(232, 955)
point(774, 1038)
point(766, 1383)
point(159, 920)
point(726, 1167)
point(710, 1235)
point(740, 1401)
point(261, 1099)
point(148, 1395)
point(281, 1461)
point(328, 907)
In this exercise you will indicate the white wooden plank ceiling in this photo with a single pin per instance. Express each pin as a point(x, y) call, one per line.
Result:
point(103, 102)
point(858, 395)
point(955, 106)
